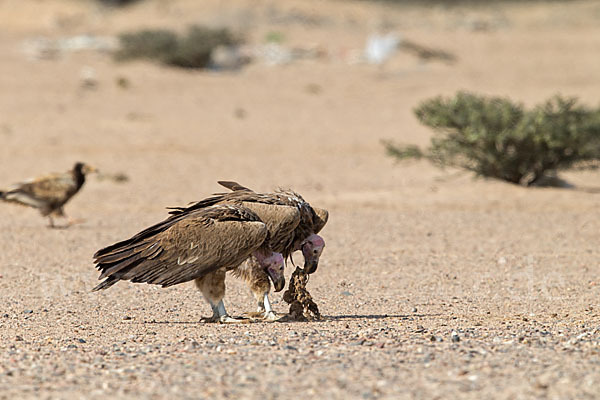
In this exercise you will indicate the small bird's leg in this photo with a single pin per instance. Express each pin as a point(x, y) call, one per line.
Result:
point(72, 221)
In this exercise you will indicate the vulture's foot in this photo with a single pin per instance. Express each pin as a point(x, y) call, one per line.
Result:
point(226, 319)
point(220, 315)
point(210, 320)
point(270, 316)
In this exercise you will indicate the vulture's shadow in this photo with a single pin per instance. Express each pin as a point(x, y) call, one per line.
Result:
point(325, 318)
point(376, 316)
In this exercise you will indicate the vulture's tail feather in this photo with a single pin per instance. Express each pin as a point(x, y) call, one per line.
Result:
point(106, 284)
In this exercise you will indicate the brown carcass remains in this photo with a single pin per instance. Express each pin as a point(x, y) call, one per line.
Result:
point(302, 306)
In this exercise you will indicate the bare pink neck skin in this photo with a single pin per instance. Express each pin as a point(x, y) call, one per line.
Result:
point(265, 257)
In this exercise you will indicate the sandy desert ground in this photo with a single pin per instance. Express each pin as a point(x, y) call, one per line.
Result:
point(432, 285)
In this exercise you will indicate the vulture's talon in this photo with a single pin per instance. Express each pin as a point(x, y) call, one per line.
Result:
point(263, 316)
point(272, 316)
point(254, 315)
point(226, 319)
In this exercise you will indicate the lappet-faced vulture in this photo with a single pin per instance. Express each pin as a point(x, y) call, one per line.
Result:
point(200, 244)
point(49, 193)
point(293, 225)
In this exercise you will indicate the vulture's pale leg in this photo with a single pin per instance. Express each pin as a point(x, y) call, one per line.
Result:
point(260, 286)
point(269, 314)
point(212, 287)
point(224, 318)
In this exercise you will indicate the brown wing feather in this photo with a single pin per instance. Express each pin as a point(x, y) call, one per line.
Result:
point(311, 220)
point(320, 219)
point(233, 186)
point(281, 221)
point(191, 247)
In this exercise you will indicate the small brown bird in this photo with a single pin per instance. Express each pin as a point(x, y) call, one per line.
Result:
point(49, 193)
point(198, 245)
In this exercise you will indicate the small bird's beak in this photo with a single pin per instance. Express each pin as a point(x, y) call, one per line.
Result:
point(310, 266)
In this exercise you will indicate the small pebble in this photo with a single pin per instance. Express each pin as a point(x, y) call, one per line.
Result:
point(28, 312)
point(127, 318)
point(454, 337)
point(414, 309)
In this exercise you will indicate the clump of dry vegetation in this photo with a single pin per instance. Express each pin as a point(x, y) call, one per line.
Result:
point(497, 138)
point(191, 50)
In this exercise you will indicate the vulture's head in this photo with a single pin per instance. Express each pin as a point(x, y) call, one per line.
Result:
point(273, 266)
point(312, 247)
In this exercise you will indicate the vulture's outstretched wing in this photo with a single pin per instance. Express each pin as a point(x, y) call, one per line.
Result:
point(184, 247)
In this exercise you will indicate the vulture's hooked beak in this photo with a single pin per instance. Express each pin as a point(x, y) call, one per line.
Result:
point(275, 272)
point(277, 277)
point(310, 266)
point(279, 284)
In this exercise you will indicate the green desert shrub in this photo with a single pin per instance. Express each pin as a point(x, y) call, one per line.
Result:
point(497, 138)
point(192, 50)
point(151, 44)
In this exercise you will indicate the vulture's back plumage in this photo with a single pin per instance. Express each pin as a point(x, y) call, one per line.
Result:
point(184, 247)
point(289, 217)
